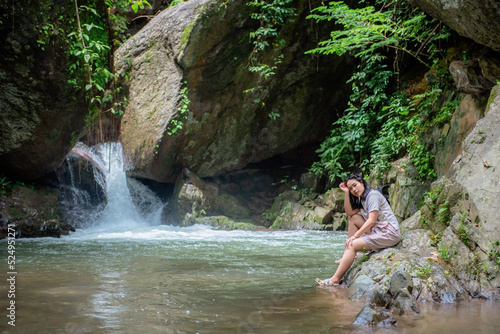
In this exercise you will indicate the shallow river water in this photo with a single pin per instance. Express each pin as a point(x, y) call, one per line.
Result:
point(163, 279)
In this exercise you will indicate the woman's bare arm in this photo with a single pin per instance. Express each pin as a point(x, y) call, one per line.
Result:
point(349, 211)
point(372, 219)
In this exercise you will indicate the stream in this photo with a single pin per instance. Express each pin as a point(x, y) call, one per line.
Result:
point(126, 273)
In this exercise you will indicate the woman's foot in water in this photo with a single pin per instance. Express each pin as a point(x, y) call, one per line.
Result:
point(327, 282)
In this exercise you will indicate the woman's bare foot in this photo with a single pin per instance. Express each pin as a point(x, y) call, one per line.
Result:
point(327, 282)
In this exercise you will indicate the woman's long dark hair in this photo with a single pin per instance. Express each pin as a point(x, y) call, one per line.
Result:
point(356, 201)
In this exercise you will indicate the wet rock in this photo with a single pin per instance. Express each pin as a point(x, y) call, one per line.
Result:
point(293, 210)
point(362, 286)
point(400, 280)
point(194, 197)
point(404, 303)
point(469, 78)
point(339, 222)
point(32, 213)
point(224, 223)
point(369, 316)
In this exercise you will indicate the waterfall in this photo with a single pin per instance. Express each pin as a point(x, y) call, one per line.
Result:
point(127, 204)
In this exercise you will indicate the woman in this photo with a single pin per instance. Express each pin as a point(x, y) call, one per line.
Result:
point(369, 215)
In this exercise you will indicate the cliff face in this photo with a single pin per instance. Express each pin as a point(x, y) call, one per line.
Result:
point(40, 113)
point(476, 20)
point(196, 56)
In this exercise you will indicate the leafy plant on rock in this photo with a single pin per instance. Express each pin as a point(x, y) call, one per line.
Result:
point(378, 126)
point(92, 33)
point(272, 15)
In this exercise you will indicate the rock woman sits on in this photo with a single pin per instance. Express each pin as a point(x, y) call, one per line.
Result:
point(370, 215)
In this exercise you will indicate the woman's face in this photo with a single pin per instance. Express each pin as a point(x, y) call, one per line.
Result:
point(355, 187)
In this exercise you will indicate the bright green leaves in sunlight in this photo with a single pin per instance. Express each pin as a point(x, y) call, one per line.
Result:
point(378, 126)
point(367, 30)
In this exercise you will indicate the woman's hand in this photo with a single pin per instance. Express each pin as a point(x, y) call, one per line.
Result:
point(350, 241)
point(343, 187)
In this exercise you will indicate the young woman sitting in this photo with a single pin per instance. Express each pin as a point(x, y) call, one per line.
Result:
point(372, 224)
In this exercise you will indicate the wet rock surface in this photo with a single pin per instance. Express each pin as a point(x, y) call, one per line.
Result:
point(31, 213)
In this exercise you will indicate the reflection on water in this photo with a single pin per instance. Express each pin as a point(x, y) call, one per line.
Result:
point(162, 279)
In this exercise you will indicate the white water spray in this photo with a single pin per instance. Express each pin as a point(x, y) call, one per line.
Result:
point(120, 210)
point(124, 209)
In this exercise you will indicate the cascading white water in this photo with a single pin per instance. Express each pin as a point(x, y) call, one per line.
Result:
point(120, 210)
point(129, 202)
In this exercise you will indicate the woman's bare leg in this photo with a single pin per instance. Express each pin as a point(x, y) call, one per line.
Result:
point(346, 261)
point(355, 223)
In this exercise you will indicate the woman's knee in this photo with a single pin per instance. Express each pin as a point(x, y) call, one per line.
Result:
point(356, 220)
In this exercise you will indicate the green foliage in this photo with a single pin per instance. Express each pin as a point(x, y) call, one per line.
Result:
point(177, 122)
point(445, 254)
point(432, 197)
point(463, 228)
point(367, 30)
point(175, 3)
point(378, 126)
point(272, 15)
point(494, 253)
point(443, 213)
point(90, 38)
point(424, 272)
point(7, 184)
point(268, 215)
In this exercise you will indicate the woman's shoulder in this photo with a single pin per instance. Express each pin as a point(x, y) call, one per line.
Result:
point(375, 196)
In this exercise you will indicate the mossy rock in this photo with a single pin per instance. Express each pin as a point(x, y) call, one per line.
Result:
point(224, 223)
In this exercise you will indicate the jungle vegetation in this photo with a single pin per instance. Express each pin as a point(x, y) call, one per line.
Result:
point(382, 121)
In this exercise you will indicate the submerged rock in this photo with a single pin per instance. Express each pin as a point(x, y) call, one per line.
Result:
point(369, 316)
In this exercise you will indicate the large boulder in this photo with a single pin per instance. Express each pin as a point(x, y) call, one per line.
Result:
point(195, 198)
point(192, 61)
point(294, 210)
point(41, 114)
point(461, 209)
point(398, 277)
point(469, 77)
point(476, 20)
point(449, 138)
